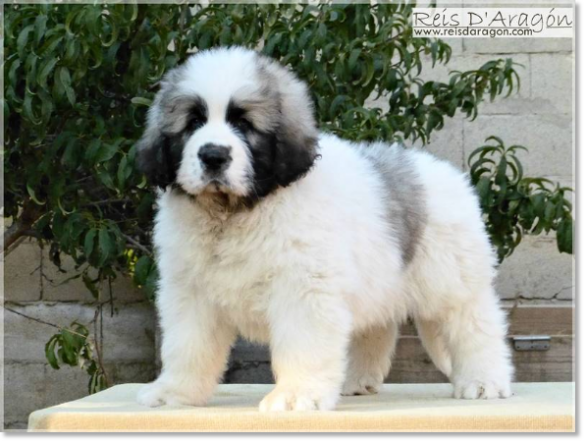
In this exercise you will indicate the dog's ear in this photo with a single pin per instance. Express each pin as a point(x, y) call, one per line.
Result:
point(153, 158)
point(297, 135)
point(295, 156)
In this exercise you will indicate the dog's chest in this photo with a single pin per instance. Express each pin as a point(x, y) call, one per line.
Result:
point(235, 264)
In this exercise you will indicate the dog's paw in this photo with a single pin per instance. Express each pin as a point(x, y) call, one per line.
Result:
point(159, 394)
point(291, 399)
point(485, 390)
point(367, 385)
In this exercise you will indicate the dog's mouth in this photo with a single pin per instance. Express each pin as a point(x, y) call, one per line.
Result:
point(217, 195)
point(212, 187)
point(216, 185)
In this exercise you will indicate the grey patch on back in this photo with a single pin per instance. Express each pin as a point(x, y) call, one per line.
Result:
point(405, 197)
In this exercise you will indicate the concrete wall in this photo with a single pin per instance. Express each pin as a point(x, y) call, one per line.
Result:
point(32, 287)
point(539, 117)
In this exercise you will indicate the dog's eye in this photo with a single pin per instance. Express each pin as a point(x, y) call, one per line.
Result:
point(195, 120)
point(237, 118)
point(242, 124)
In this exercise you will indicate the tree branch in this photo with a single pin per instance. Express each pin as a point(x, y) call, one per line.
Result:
point(43, 322)
point(109, 202)
point(99, 342)
point(21, 226)
point(136, 244)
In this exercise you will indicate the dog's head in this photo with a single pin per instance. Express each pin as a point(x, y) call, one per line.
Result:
point(229, 122)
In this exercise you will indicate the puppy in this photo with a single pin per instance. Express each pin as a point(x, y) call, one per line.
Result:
point(319, 247)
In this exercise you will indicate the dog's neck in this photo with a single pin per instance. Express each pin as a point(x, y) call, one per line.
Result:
point(219, 204)
point(217, 208)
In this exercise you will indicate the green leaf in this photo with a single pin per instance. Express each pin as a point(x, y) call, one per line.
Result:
point(124, 172)
point(142, 269)
point(93, 383)
point(40, 26)
point(150, 287)
point(73, 339)
point(71, 154)
point(92, 151)
point(106, 244)
point(501, 179)
point(69, 347)
point(141, 101)
point(50, 45)
point(12, 72)
point(336, 104)
point(32, 195)
point(50, 352)
point(71, 50)
point(369, 72)
point(63, 78)
point(538, 202)
point(549, 213)
point(46, 107)
point(114, 33)
point(565, 236)
point(106, 152)
point(88, 244)
point(97, 55)
point(483, 151)
point(28, 111)
point(106, 179)
point(44, 72)
point(354, 55)
point(498, 140)
point(22, 40)
point(483, 187)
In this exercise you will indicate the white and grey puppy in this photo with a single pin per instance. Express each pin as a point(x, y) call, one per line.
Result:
point(315, 245)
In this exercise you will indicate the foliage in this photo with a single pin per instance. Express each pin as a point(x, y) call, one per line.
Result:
point(71, 346)
point(79, 78)
point(515, 205)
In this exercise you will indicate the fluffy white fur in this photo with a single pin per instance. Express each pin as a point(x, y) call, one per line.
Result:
point(313, 270)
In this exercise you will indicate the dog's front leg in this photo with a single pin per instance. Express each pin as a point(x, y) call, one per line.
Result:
point(194, 350)
point(310, 331)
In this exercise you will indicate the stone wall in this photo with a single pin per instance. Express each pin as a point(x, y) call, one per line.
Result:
point(539, 117)
point(32, 287)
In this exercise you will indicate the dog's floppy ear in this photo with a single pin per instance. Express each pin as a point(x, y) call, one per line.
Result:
point(295, 156)
point(153, 157)
point(296, 135)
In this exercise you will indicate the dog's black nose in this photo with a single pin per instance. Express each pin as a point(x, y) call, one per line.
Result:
point(214, 157)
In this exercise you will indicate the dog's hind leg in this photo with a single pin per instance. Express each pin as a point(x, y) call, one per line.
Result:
point(434, 342)
point(481, 357)
point(369, 359)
